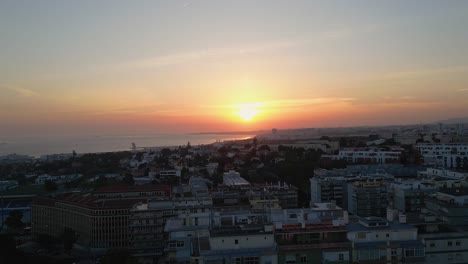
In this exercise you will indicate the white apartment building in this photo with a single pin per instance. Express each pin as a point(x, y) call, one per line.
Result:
point(366, 156)
point(444, 155)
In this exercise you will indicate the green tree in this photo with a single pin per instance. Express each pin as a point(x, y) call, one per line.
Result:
point(128, 179)
point(184, 172)
point(166, 152)
point(101, 182)
point(13, 220)
point(68, 237)
point(50, 186)
point(117, 256)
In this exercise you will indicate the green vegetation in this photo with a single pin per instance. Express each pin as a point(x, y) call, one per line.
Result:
point(25, 190)
point(13, 221)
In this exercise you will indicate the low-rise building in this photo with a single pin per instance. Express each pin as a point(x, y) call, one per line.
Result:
point(376, 240)
point(447, 155)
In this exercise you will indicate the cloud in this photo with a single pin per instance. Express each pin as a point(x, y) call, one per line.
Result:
point(420, 72)
point(289, 103)
point(20, 91)
point(186, 57)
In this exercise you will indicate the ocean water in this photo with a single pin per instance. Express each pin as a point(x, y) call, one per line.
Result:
point(41, 145)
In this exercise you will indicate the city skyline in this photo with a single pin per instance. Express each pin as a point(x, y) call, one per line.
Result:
point(192, 66)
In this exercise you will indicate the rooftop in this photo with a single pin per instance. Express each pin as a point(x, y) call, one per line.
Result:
point(133, 188)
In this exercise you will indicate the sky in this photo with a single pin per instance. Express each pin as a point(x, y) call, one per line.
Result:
point(116, 67)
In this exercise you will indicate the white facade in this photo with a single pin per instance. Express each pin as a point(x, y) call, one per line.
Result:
point(41, 179)
point(444, 155)
point(446, 247)
point(366, 156)
point(233, 178)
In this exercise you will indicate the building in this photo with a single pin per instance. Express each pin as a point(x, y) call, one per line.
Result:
point(450, 155)
point(285, 193)
point(372, 156)
point(237, 238)
point(446, 247)
point(367, 198)
point(311, 236)
point(375, 240)
point(148, 220)
point(233, 178)
point(220, 237)
point(8, 185)
point(101, 220)
point(328, 189)
point(409, 196)
point(98, 223)
point(450, 205)
point(60, 179)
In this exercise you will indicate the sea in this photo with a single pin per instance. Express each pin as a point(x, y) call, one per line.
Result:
point(44, 145)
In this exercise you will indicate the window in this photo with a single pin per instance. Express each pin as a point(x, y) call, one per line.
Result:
point(361, 235)
point(341, 256)
point(432, 245)
point(458, 243)
point(414, 252)
point(251, 260)
point(236, 241)
point(303, 259)
point(450, 257)
point(449, 243)
point(387, 235)
point(368, 254)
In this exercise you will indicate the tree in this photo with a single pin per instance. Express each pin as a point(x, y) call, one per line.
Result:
point(101, 182)
point(128, 179)
point(344, 142)
point(8, 251)
point(13, 221)
point(50, 186)
point(116, 256)
point(184, 172)
point(68, 237)
point(166, 152)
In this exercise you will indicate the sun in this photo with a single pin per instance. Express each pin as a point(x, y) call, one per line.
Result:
point(247, 111)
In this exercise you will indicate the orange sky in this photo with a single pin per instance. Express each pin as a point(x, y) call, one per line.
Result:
point(114, 67)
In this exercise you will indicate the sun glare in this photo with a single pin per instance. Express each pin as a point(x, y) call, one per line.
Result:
point(248, 111)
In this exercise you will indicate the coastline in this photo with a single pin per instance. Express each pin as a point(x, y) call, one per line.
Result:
point(38, 146)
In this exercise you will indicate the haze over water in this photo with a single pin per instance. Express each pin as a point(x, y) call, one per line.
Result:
point(36, 146)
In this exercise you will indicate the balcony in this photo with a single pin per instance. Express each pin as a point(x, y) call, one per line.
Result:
point(320, 246)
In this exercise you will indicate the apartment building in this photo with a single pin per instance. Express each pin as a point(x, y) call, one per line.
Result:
point(447, 155)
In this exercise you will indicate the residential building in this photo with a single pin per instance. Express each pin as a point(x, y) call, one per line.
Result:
point(309, 236)
point(450, 205)
point(367, 198)
point(147, 222)
point(409, 195)
point(447, 155)
point(376, 240)
point(365, 156)
point(100, 220)
point(233, 178)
